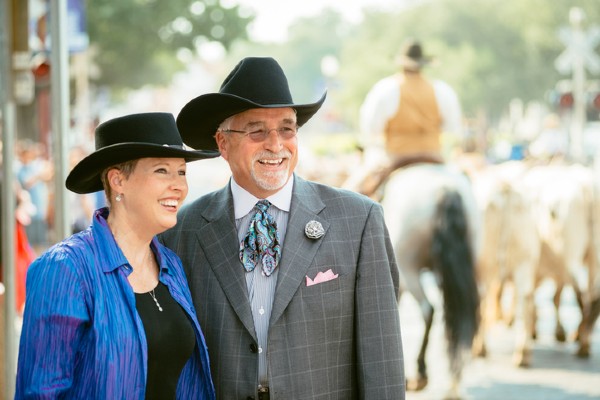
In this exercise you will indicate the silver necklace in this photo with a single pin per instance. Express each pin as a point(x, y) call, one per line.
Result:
point(151, 293)
point(155, 301)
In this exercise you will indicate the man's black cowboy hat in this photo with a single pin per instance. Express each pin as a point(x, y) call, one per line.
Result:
point(256, 82)
point(128, 138)
point(412, 56)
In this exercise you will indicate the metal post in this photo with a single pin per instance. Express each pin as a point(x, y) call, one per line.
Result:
point(82, 90)
point(60, 112)
point(576, 17)
point(8, 200)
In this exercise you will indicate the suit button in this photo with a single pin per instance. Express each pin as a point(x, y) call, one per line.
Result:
point(254, 348)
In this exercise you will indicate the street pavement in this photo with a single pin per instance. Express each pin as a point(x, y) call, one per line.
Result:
point(555, 374)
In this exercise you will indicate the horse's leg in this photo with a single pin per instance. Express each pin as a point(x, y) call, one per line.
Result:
point(422, 379)
point(414, 286)
point(453, 392)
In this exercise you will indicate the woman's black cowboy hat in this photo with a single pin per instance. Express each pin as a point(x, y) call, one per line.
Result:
point(128, 138)
point(256, 82)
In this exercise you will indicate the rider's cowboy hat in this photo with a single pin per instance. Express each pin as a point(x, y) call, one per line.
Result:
point(256, 82)
point(128, 138)
point(411, 55)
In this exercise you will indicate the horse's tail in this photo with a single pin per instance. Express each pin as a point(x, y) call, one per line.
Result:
point(453, 262)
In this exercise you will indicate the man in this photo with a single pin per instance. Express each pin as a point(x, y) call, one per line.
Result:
point(402, 119)
point(298, 296)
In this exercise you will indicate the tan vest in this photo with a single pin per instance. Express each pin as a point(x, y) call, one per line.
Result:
point(416, 126)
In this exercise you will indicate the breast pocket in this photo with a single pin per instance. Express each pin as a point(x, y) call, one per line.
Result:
point(330, 302)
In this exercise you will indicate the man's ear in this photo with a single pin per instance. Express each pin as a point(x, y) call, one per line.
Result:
point(222, 143)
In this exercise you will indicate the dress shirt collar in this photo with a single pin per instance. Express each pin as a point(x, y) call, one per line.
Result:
point(244, 202)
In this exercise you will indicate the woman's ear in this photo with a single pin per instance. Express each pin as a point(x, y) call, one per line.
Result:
point(115, 180)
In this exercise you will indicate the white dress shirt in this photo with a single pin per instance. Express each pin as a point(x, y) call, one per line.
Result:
point(261, 288)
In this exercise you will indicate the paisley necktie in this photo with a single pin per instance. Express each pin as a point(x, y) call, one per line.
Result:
point(261, 243)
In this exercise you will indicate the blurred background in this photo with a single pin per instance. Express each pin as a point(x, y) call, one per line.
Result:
point(527, 74)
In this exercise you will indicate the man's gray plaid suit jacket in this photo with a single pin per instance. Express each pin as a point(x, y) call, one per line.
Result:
point(339, 339)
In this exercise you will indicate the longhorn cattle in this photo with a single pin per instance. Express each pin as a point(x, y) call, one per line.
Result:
point(510, 252)
point(566, 206)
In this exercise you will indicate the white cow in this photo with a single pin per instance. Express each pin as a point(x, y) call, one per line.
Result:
point(510, 252)
point(564, 204)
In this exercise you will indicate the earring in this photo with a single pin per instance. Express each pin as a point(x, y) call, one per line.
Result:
point(119, 197)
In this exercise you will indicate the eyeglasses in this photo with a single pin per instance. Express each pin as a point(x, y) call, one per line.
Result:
point(260, 134)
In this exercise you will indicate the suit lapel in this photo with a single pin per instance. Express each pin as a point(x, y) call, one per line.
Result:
point(298, 249)
point(219, 240)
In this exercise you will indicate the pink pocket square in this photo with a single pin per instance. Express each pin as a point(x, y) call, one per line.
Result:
point(321, 277)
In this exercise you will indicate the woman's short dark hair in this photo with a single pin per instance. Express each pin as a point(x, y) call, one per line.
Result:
point(126, 169)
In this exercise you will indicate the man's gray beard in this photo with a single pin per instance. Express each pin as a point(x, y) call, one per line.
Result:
point(271, 180)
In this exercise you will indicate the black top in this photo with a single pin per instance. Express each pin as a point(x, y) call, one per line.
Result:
point(171, 341)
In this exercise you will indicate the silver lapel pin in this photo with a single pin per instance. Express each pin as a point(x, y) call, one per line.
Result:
point(314, 230)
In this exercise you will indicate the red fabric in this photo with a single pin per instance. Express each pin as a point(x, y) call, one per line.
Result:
point(24, 257)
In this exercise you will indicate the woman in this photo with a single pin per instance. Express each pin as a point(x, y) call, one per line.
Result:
point(108, 313)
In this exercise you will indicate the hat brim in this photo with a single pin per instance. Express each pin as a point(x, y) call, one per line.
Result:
point(199, 119)
point(413, 63)
point(85, 177)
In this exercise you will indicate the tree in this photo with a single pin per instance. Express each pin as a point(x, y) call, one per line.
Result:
point(309, 40)
point(136, 42)
point(491, 52)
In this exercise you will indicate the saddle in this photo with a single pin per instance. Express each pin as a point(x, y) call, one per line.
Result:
point(373, 183)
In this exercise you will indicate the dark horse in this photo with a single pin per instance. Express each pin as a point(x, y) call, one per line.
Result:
point(433, 221)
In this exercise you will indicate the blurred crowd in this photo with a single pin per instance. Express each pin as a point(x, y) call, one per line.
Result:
point(34, 212)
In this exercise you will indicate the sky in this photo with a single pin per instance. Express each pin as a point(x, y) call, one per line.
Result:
point(274, 16)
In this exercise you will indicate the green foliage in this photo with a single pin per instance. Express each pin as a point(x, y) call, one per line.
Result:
point(310, 39)
point(135, 42)
point(332, 145)
point(490, 51)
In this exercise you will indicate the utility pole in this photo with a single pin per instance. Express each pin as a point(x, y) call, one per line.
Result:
point(59, 86)
point(577, 57)
point(578, 122)
point(17, 89)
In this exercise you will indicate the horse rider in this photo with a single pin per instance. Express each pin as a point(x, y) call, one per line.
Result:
point(402, 119)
